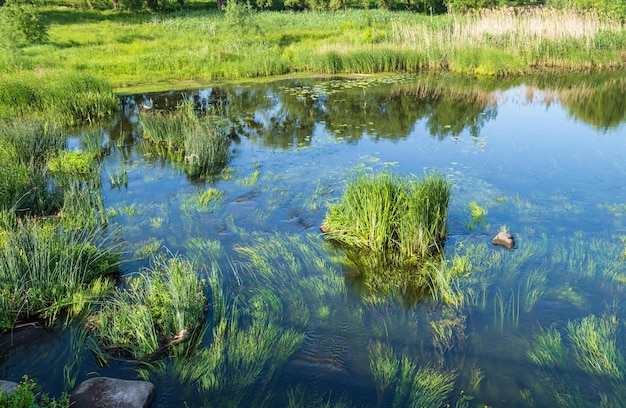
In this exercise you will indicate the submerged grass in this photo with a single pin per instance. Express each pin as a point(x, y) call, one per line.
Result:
point(409, 385)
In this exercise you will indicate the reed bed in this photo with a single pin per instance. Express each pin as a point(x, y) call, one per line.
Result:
point(162, 308)
point(511, 41)
point(67, 97)
point(195, 142)
point(26, 148)
point(494, 42)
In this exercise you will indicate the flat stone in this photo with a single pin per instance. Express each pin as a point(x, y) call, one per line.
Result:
point(8, 386)
point(101, 392)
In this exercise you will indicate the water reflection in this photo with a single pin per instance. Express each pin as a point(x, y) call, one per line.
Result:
point(285, 114)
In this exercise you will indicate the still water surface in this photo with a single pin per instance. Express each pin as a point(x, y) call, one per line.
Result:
point(544, 159)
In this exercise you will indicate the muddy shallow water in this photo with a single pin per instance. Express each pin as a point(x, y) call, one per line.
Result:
point(544, 159)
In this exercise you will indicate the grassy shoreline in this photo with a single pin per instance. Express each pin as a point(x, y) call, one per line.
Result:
point(199, 47)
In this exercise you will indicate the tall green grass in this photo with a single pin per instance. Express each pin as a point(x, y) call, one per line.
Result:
point(26, 147)
point(66, 97)
point(195, 142)
point(488, 42)
point(161, 306)
point(48, 272)
point(382, 212)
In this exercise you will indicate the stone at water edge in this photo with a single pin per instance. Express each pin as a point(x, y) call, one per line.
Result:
point(504, 239)
point(8, 386)
point(101, 392)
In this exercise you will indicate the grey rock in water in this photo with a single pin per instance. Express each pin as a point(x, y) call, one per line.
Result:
point(8, 386)
point(504, 239)
point(101, 392)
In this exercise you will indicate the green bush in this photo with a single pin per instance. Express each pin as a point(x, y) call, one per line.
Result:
point(23, 21)
point(26, 396)
point(463, 6)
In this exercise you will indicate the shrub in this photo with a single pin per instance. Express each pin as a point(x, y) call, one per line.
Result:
point(23, 22)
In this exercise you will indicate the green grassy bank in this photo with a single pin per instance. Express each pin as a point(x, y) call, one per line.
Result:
point(146, 48)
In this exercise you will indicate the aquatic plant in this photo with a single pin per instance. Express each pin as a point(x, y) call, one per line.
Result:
point(24, 183)
point(448, 329)
point(48, 270)
point(162, 311)
point(184, 137)
point(386, 213)
point(384, 365)
point(477, 214)
point(203, 201)
point(548, 349)
point(411, 386)
point(293, 270)
point(594, 346)
point(242, 355)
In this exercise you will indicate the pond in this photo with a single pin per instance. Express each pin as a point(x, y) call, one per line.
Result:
point(542, 324)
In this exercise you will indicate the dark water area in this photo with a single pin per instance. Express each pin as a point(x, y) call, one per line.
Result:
point(543, 157)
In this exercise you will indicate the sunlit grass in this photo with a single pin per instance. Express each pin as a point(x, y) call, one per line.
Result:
point(594, 346)
point(382, 212)
point(411, 385)
point(144, 49)
point(47, 271)
point(159, 306)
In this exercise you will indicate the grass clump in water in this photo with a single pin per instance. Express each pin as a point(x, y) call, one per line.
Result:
point(193, 141)
point(384, 213)
point(163, 308)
